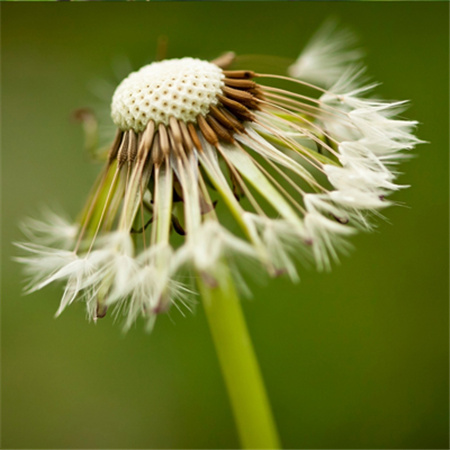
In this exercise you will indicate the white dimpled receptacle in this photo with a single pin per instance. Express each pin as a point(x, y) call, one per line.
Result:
point(182, 88)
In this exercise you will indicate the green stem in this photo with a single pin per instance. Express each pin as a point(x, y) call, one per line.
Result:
point(238, 362)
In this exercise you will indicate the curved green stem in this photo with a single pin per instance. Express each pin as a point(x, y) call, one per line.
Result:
point(238, 362)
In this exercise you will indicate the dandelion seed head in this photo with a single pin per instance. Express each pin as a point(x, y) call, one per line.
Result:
point(182, 88)
point(298, 170)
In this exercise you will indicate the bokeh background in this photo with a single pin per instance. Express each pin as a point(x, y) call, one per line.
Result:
point(355, 358)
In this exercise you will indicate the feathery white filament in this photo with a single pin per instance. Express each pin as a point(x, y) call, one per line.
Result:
point(327, 55)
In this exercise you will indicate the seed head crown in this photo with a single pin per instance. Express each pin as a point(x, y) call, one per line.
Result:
point(182, 88)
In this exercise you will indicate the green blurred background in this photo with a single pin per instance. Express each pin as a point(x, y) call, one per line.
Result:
point(356, 358)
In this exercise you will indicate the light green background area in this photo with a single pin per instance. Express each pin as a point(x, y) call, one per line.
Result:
point(355, 358)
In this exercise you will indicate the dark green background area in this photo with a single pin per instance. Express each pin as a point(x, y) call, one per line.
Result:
point(355, 358)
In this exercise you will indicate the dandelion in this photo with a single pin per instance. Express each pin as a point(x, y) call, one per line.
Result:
point(299, 167)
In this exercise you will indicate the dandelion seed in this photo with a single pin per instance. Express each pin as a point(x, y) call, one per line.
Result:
point(299, 169)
